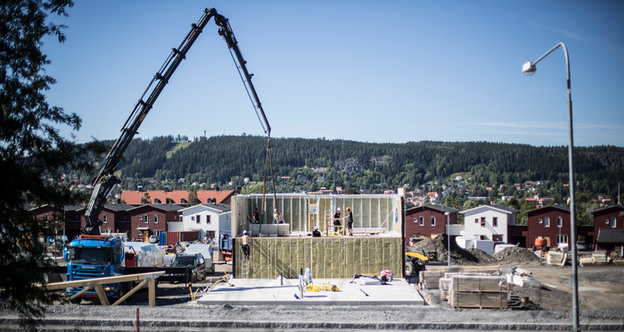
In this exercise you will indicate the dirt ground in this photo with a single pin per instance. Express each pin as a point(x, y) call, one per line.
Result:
point(599, 287)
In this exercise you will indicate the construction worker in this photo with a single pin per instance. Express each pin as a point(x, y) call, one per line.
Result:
point(316, 232)
point(245, 244)
point(349, 218)
point(337, 222)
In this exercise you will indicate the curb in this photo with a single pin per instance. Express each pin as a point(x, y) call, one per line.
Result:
point(126, 324)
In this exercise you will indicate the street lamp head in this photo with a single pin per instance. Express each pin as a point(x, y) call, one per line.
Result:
point(528, 68)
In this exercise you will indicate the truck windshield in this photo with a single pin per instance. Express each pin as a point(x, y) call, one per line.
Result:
point(92, 256)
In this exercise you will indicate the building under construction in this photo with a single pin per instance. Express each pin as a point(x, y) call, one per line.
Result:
point(287, 247)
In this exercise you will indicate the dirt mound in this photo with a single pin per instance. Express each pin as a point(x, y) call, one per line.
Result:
point(460, 256)
point(481, 255)
point(514, 255)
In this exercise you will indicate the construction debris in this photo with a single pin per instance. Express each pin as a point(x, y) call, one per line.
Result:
point(523, 278)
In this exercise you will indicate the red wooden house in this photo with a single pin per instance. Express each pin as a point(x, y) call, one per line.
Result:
point(609, 228)
point(428, 220)
point(151, 219)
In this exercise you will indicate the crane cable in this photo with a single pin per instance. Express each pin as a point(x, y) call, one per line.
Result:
point(268, 160)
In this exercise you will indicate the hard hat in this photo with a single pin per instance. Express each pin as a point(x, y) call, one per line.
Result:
point(348, 209)
point(316, 227)
point(338, 209)
point(244, 232)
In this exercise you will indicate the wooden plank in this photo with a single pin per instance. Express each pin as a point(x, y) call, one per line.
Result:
point(131, 292)
point(101, 281)
point(151, 294)
point(478, 300)
point(101, 294)
point(469, 283)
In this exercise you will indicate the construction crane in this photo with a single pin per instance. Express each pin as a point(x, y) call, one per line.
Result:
point(104, 182)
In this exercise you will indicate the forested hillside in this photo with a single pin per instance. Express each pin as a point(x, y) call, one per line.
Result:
point(309, 164)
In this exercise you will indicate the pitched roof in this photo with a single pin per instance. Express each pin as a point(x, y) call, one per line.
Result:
point(493, 207)
point(439, 208)
point(175, 196)
point(119, 207)
point(163, 207)
point(546, 207)
point(608, 209)
point(218, 207)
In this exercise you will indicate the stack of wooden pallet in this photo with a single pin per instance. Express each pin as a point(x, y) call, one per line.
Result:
point(478, 291)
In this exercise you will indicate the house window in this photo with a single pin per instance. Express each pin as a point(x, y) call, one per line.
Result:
point(540, 221)
point(421, 221)
point(155, 219)
point(145, 219)
point(495, 222)
point(559, 222)
point(547, 222)
point(613, 222)
point(476, 220)
point(198, 219)
point(562, 238)
point(482, 221)
point(497, 237)
point(207, 219)
point(432, 221)
point(210, 234)
point(104, 218)
point(483, 237)
point(193, 218)
point(606, 221)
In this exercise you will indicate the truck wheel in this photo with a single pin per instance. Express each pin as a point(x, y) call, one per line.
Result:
point(409, 268)
point(76, 300)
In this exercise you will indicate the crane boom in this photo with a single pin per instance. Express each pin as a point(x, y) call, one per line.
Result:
point(104, 182)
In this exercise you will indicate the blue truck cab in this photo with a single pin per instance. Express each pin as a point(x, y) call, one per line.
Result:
point(95, 256)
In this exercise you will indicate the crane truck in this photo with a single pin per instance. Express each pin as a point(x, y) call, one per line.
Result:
point(93, 255)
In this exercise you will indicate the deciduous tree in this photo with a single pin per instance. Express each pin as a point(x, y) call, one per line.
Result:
point(33, 154)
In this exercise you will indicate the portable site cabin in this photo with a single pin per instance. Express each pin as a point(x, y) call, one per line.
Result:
point(285, 249)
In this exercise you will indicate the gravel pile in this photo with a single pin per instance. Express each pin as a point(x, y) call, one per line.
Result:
point(460, 256)
point(516, 255)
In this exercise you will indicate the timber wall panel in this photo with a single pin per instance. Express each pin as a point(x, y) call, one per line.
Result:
point(327, 257)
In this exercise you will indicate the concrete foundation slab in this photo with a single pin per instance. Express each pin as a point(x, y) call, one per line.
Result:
point(267, 291)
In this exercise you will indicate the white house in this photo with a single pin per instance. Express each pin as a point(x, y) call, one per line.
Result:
point(488, 222)
point(211, 220)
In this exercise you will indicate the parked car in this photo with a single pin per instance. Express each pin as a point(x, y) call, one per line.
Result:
point(203, 249)
point(195, 261)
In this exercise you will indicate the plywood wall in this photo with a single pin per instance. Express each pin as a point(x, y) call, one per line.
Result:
point(327, 257)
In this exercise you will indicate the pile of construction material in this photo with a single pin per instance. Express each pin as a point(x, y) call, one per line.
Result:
point(468, 287)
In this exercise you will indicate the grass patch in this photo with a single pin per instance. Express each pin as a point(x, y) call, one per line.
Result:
point(180, 145)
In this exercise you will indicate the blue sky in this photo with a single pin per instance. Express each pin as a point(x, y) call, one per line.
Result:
point(371, 71)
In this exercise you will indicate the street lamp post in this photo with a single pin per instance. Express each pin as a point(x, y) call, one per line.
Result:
point(448, 239)
point(529, 69)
